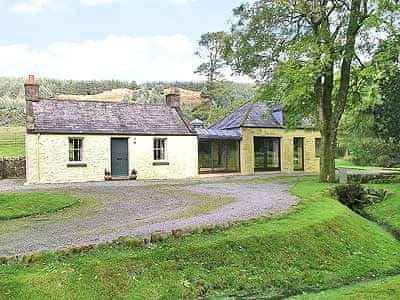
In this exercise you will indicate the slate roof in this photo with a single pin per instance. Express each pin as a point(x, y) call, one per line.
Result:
point(91, 117)
point(250, 115)
point(217, 134)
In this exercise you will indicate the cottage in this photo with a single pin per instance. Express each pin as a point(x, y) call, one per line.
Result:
point(254, 139)
point(75, 141)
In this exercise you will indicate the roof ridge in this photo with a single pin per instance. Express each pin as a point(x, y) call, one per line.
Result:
point(228, 115)
point(101, 101)
point(246, 116)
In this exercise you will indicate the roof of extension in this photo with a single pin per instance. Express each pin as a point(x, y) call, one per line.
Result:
point(93, 117)
point(251, 115)
point(217, 134)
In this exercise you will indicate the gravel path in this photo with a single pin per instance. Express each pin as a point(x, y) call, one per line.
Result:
point(108, 211)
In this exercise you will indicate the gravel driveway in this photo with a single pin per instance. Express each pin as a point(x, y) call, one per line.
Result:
point(110, 210)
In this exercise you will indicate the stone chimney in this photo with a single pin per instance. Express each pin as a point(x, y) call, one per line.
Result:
point(31, 95)
point(173, 98)
point(31, 89)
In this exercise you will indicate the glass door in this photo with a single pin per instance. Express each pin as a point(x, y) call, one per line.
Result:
point(267, 154)
point(298, 154)
point(219, 156)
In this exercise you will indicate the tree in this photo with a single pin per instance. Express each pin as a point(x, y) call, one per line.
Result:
point(307, 54)
point(369, 128)
point(211, 47)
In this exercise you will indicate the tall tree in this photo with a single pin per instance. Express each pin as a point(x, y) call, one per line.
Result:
point(306, 53)
point(211, 47)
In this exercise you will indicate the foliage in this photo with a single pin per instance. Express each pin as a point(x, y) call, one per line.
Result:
point(387, 288)
point(370, 129)
point(225, 94)
point(14, 87)
point(371, 151)
point(211, 47)
point(374, 178)
point(211, 114)
point(306, 53)
point(12, 112)
point(318, 246)
point(226, 97)
point(356, 196)
point(388, 211)
point(18, 205)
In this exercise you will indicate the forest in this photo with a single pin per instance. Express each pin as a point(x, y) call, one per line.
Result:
point(227, 95)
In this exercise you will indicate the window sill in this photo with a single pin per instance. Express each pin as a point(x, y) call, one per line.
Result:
point(160, 163)
point(77, 164)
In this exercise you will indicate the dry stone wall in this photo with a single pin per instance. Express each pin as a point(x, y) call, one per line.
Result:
point(12, 167)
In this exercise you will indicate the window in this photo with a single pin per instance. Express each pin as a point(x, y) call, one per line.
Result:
point(75, 149)
point(159, 147)
point(298, 154)
point(318, 147)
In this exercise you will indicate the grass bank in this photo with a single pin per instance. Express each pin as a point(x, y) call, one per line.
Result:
point(320, 245)
point(387, 212)
point(18, 205)
point(387, 288)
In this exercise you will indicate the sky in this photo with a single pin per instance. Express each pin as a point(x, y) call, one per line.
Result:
point(146, 40)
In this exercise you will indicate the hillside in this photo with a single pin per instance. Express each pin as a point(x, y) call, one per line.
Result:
point(12, 104)
point(115, 95)
point(189, 97)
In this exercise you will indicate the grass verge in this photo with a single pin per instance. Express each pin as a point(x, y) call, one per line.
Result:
point(387, 288)
point(320, 245)
point(347, 164)
point(387, 212)
point(18, 205)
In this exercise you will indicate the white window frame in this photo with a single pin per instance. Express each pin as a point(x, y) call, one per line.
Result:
point(72, 151)
point(161, 147)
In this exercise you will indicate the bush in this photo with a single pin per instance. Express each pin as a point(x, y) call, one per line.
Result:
point(375, 152)
point(356, 197)
point(374, 178)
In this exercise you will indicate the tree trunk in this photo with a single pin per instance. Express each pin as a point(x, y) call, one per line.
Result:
point(327, 163)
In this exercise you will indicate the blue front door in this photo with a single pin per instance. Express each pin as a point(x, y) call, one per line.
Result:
point(119, 157)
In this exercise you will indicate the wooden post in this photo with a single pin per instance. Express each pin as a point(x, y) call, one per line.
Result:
point(2, 168)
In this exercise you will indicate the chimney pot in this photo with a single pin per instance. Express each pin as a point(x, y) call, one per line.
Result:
point(31, 79)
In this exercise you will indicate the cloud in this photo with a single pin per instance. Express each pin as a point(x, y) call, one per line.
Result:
point(30, 7)
point(114, 57)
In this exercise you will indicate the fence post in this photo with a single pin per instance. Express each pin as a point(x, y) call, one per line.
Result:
point(2, 168)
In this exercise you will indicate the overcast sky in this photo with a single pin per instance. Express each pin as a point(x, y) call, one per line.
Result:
point(107, 39)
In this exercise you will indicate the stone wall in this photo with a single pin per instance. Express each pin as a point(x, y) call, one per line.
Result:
point(12, 167)
point(311, 162)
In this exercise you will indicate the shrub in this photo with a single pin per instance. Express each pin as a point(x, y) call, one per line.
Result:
point(375, 152)
point(356, 197)
point(374, 178)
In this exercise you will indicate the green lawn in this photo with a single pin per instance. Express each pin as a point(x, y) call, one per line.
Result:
point(388, 211)
point(319, 245)
point(18, 205)
point(12, 141)
point(387, 288)
point(347, 164)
